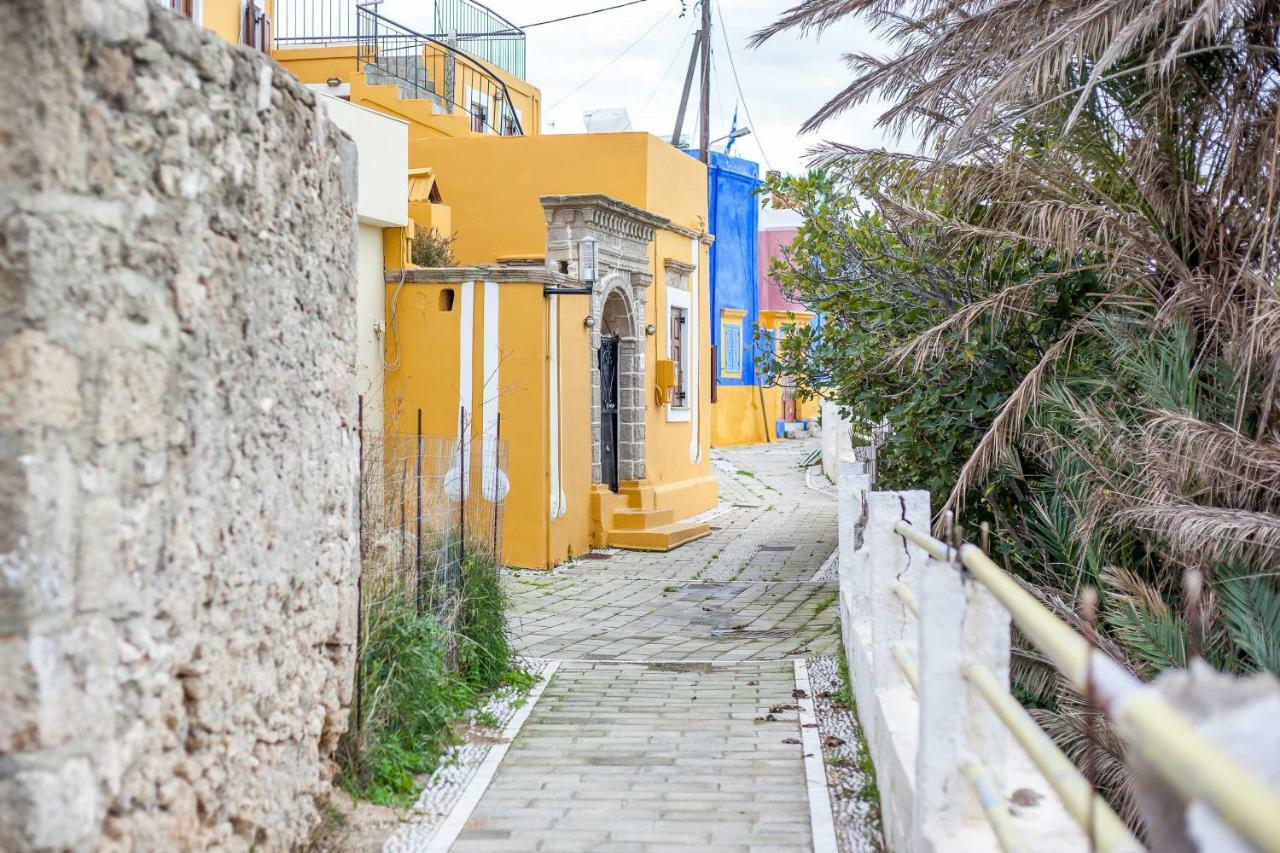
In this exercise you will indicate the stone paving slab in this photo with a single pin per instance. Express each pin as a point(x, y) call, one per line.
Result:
point(640, 742)
point(619, 757)
point(640, 619)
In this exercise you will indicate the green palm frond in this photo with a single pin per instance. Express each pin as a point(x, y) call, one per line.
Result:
point(1250, 606)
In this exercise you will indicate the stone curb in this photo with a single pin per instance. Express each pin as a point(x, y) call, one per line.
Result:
point(821, 819)
point(452, 826)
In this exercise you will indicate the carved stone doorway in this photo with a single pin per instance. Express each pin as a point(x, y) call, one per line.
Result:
point(617, 380)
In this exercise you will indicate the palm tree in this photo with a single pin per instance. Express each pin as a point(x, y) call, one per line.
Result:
point(1139, 139)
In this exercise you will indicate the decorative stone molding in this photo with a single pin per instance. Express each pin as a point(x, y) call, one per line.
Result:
point(624, 235)
point(503, 274)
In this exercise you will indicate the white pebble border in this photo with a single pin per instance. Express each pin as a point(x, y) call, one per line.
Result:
point(442, 796)
point(821, 817)
point(830, 570)
point(857, 823)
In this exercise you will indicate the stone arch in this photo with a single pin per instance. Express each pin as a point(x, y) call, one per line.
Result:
point(617, 313)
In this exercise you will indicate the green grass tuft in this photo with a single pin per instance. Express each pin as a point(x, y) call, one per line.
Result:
point(420, 678)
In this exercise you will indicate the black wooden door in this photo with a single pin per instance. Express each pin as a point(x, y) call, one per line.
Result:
point(609, 410)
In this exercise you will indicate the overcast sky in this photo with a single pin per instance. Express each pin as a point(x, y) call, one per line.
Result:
point(636, 58)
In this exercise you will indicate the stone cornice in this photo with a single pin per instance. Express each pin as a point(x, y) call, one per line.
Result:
point(671, 264)
point(604, 203)
point(485, 272)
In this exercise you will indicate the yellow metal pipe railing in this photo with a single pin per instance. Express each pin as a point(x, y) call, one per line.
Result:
point(1109, 833)
point(908, 598)
point(996, 808)
point(908, 667)
point(1182, 755)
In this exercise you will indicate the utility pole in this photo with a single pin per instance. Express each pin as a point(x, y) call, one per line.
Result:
point(688, 84)
point(704, 147)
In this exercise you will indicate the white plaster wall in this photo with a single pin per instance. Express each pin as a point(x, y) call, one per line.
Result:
point(370, 322)
point(382, 143)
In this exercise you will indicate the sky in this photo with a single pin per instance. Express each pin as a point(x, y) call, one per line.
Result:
point(636, 58)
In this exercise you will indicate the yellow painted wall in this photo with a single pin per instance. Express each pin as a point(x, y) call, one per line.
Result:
point(489, 179)
point(427, 377)
point(223, 16)
point(316, 65)
point(493, 186)
point(737, 419)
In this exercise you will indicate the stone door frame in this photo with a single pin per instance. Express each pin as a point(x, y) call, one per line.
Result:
point(615, 312)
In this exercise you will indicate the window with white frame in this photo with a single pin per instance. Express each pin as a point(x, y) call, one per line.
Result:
point(731, 355)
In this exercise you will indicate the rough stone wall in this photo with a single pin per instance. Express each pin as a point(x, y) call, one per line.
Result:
point(177, 352)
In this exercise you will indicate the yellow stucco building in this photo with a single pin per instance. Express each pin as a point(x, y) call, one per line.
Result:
point(576, 313)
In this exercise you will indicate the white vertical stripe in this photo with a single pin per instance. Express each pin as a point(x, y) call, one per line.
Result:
point(466, 344)
point(695, 354)
point(489, 393)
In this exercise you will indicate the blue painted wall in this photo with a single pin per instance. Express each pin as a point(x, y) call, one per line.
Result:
point(734, 210)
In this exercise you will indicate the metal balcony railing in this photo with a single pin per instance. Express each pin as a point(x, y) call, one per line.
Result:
point(423, 66)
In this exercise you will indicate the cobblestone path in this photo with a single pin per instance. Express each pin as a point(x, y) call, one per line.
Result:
point(671, 722)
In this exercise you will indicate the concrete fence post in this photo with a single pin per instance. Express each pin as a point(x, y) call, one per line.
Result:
point(941, 788)
point(987, 641)
point(961, 624)
point(889, 701)
point(855, 611)
point(891, 560)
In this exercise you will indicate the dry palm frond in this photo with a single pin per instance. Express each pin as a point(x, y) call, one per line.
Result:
point(1214, 462)
point(1200, 534)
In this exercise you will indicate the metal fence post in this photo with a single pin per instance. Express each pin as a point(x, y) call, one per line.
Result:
point(463, 482)
point(497, 458)
point(417, 562)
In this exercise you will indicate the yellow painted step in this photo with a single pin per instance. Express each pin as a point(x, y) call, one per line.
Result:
point(665, 537)
point(641, 519)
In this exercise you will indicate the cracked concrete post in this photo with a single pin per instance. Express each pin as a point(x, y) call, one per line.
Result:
point(961, 624)
point(887, 702)
point(855, 611)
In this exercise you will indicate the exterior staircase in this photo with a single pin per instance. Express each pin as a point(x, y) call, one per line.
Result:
point(406, 73)
point(630, 519)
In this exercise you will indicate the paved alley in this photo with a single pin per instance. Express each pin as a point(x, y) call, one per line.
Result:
point(672, 720)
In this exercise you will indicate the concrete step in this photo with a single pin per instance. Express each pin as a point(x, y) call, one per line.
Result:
point(639, 519)
point(664, 537)
point(405, 73)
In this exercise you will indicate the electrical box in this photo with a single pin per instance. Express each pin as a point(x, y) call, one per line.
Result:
point(664, 378)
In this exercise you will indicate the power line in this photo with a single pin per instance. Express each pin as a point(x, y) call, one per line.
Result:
point(609, 64)
point(583, 14)
point(675, 57)
point(751, 122)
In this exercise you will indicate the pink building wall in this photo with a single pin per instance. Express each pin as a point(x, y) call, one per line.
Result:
point(769, 245)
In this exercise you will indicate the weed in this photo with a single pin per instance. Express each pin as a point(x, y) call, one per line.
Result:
point(744, 472)
point(826, 602)
point(419, 677)
point(669, 588)
point(488, 719)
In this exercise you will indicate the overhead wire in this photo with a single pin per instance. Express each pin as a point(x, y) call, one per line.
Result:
point(751, 122)
point(661, 18)
point(675, 57)
point(582, 14)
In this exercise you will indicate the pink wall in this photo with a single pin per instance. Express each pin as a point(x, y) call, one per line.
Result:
point(769, 245)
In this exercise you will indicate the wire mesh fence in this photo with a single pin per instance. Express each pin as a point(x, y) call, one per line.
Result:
point(431, 511)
